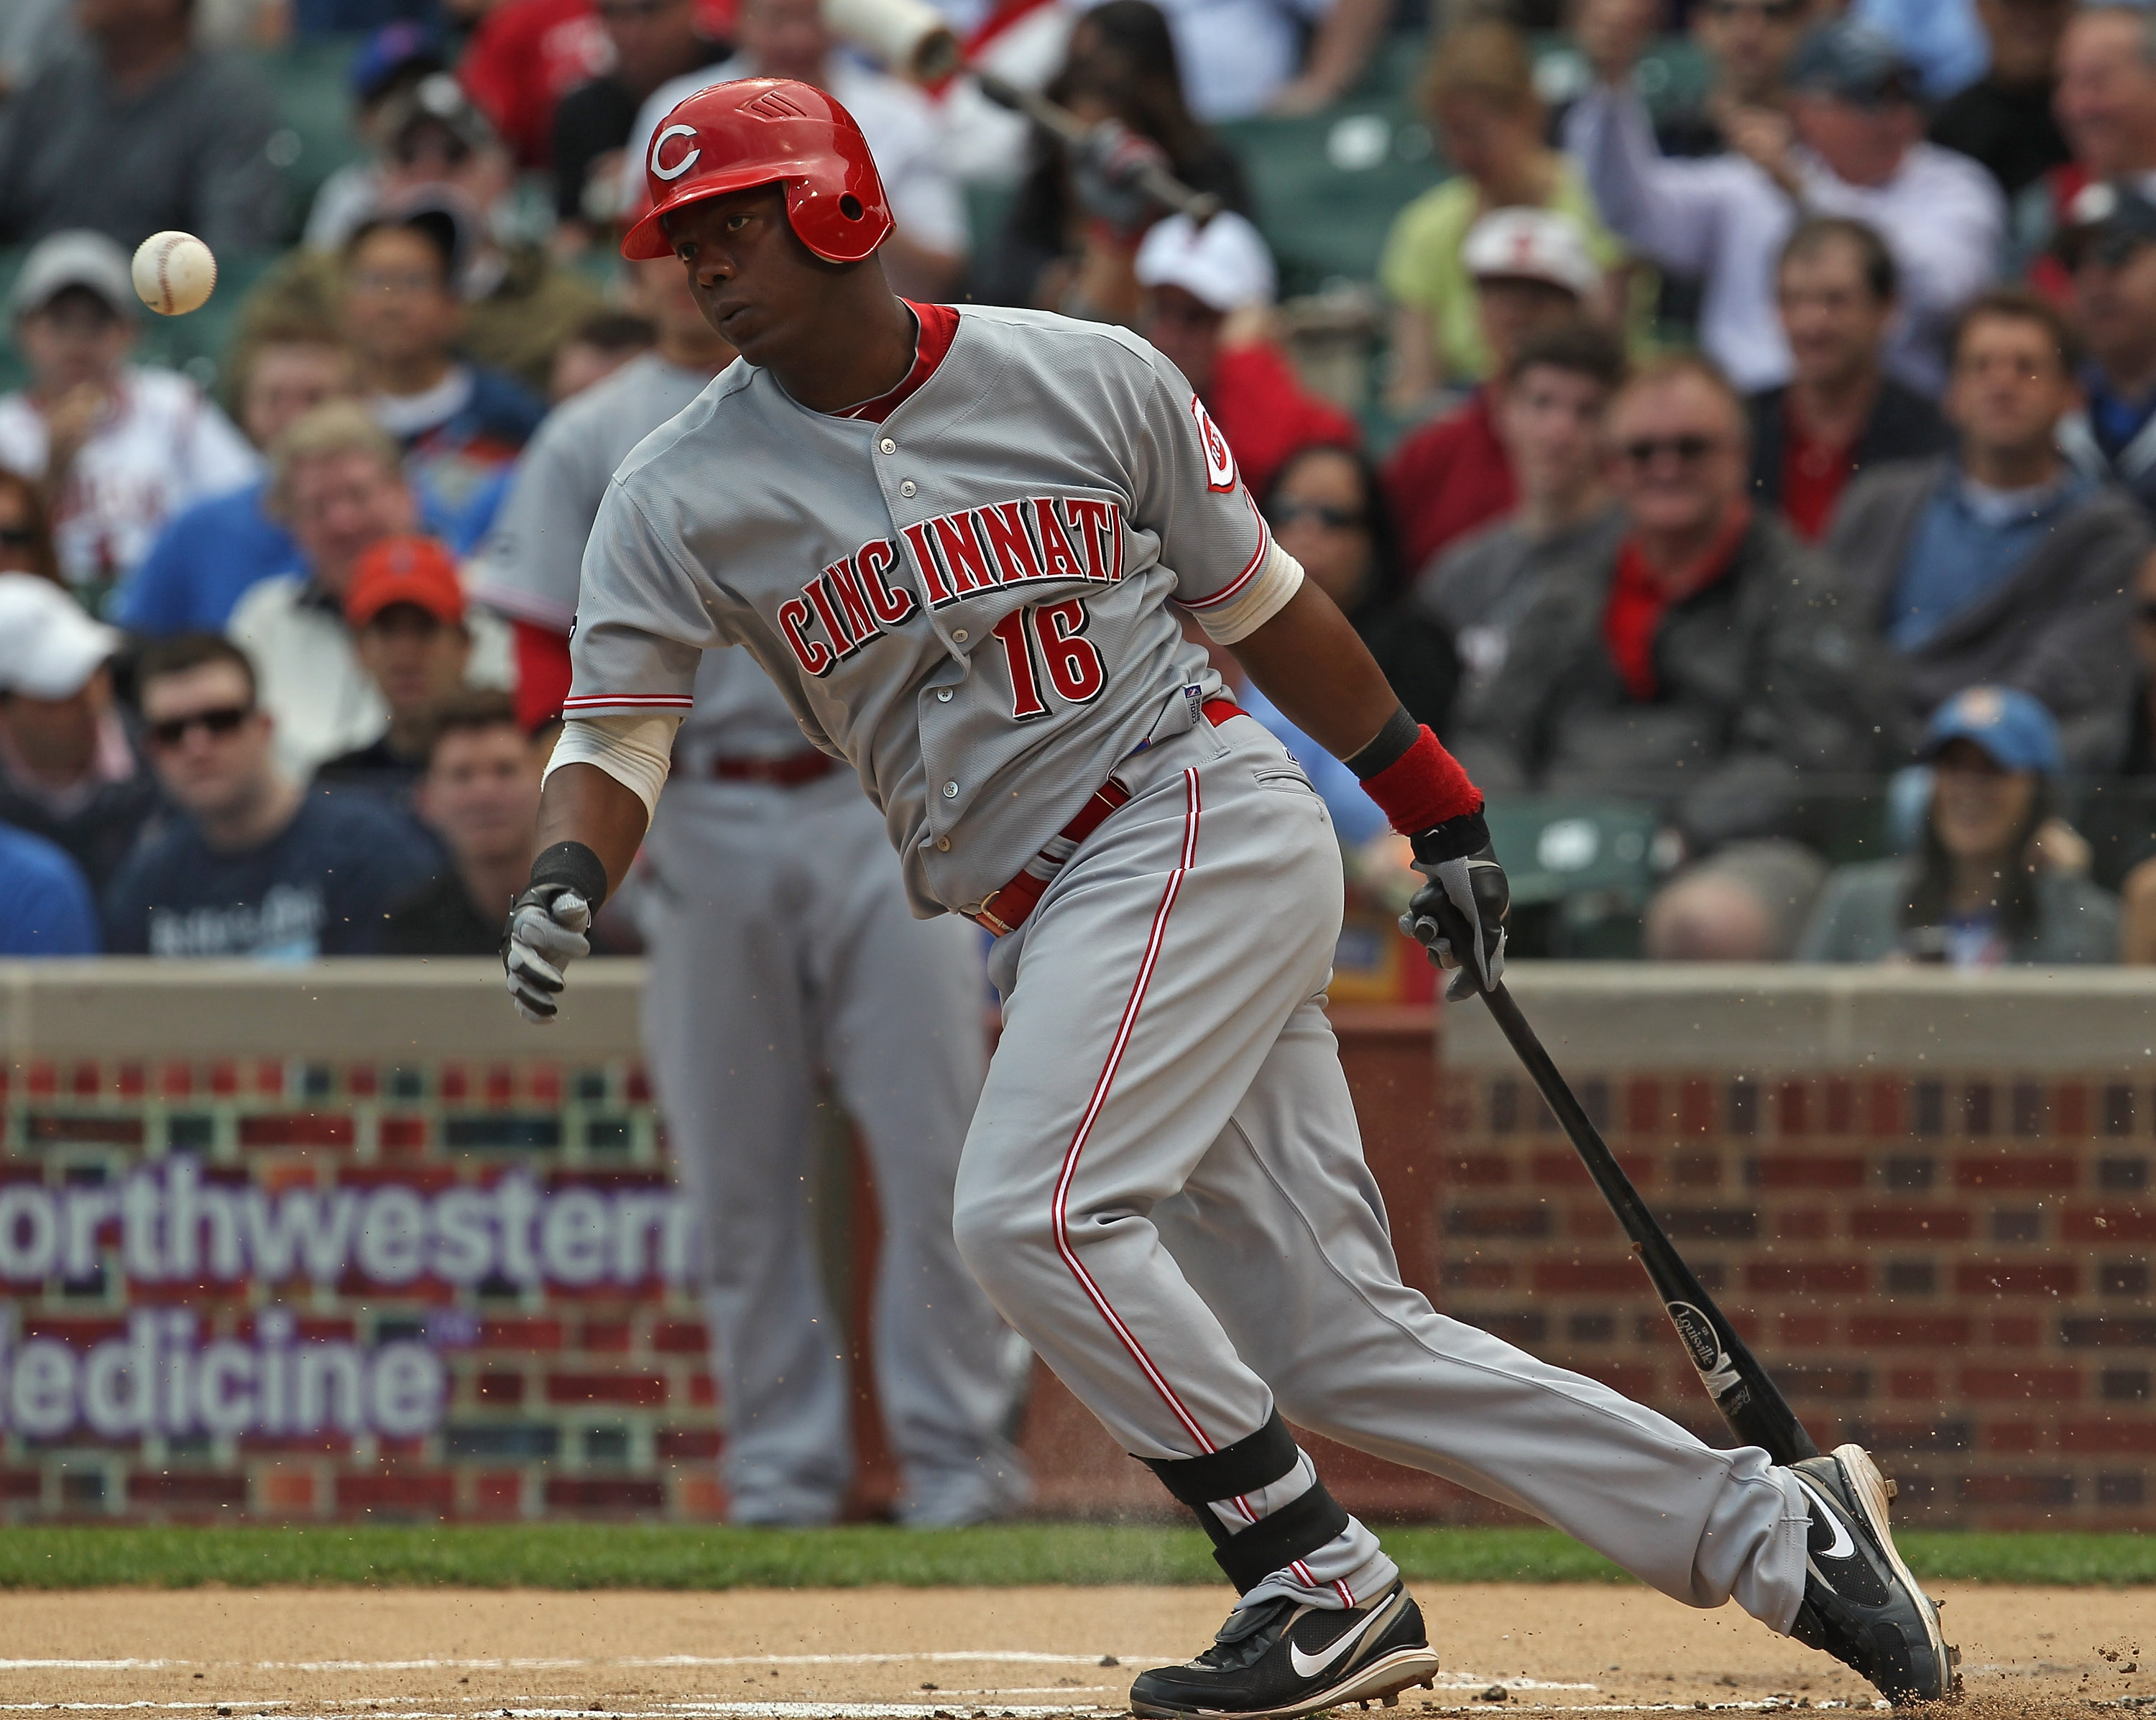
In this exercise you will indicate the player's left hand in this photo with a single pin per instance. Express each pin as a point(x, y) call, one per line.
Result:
point(1460, 915)
point(545, 933)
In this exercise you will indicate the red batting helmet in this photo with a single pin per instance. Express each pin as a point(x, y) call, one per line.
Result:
point(766, 131)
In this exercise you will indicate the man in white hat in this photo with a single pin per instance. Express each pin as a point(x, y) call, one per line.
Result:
point(69, 771)
point(52, 678)
point(1205, 289)
point(1533, 273)
point(120, 447)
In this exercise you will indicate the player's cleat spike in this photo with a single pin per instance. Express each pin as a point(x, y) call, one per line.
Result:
point(1277, 1658)
point(1862, 1604)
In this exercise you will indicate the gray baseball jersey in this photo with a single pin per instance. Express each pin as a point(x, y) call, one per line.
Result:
point(532, 560)
point(967, 602)
point(780, 941)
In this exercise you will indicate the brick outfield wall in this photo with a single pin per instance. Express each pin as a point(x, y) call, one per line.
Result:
point(1952, 1270)
point(559, 1398)
point(1952, 1265)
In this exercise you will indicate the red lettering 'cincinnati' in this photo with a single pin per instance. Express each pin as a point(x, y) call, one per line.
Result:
point(890, 606)
point(931, 575)
point(1100, 527)
point(827, 613)
point(964, 558)
point(1059, 561)
point(814, 655)
point(838, 579)
point(1002, 525)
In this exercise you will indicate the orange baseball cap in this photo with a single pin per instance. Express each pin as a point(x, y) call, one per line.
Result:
point(405, 570)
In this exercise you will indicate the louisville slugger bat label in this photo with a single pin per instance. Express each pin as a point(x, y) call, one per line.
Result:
point(1704, 1344)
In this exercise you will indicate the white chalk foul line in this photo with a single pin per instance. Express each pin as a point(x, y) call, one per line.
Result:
point(555, 1664)
point(60, 1666)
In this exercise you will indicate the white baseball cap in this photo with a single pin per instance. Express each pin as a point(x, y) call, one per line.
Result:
point(1531, 244)
point(1224, 263)
point(49, 647)
point(75, 258)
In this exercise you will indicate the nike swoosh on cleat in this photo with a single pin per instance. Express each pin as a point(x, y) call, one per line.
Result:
point(1310, 1666)
point(1843, 1546)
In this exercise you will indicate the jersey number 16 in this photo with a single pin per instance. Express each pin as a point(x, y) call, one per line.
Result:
point(1052, 635)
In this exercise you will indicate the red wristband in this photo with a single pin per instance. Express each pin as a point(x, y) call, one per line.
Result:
point(1423, 787)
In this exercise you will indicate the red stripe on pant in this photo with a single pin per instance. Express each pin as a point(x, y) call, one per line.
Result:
point(1120, 1044)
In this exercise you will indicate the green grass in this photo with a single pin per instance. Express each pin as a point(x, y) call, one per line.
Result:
point(660, 1556)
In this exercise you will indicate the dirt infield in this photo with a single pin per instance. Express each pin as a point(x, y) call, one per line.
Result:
point(863, 1654)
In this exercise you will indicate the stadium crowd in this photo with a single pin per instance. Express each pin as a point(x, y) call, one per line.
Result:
point(1777, 465)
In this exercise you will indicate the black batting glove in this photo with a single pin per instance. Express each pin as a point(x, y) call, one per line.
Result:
point(1459, 917)
point(546, 925)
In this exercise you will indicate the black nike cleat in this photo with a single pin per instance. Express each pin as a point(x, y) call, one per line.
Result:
point(1280, 1657)
point(1862, 1605)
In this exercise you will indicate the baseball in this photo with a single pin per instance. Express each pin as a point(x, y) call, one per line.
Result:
point(174, 273)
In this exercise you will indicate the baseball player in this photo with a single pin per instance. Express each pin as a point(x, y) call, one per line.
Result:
point(956, 540)
point(780, 940)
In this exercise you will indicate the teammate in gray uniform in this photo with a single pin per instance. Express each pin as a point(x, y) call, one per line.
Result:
point(780, 938)
point(954, 538)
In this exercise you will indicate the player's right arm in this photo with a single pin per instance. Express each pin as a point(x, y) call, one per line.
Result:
point(643, 624)
point(590, 824)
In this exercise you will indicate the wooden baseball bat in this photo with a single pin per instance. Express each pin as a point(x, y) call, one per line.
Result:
point(913, 39)
point(1757, 1413)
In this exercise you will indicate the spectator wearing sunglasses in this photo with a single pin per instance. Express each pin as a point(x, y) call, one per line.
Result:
point(69, 773)
point(1701, 668)
point(1327, 510)
point(1999, 563)
point(1205, 292)
point(253, 866)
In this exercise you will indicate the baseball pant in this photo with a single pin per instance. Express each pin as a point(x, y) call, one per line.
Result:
point(1163, 1190)
point(781, 945)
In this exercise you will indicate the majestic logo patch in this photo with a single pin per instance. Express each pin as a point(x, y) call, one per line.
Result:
point(1219, 462)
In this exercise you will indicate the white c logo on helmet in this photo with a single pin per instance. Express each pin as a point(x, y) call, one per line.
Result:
point(681, 167)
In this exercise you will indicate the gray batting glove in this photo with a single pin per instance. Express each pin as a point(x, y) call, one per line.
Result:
point(545, 933)
point(1459, 917)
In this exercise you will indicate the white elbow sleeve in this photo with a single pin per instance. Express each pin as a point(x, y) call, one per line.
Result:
point(1277, 579)
point(635, 750)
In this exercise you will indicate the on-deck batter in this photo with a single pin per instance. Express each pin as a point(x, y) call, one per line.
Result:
point(953, 539)
point(779, 940)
